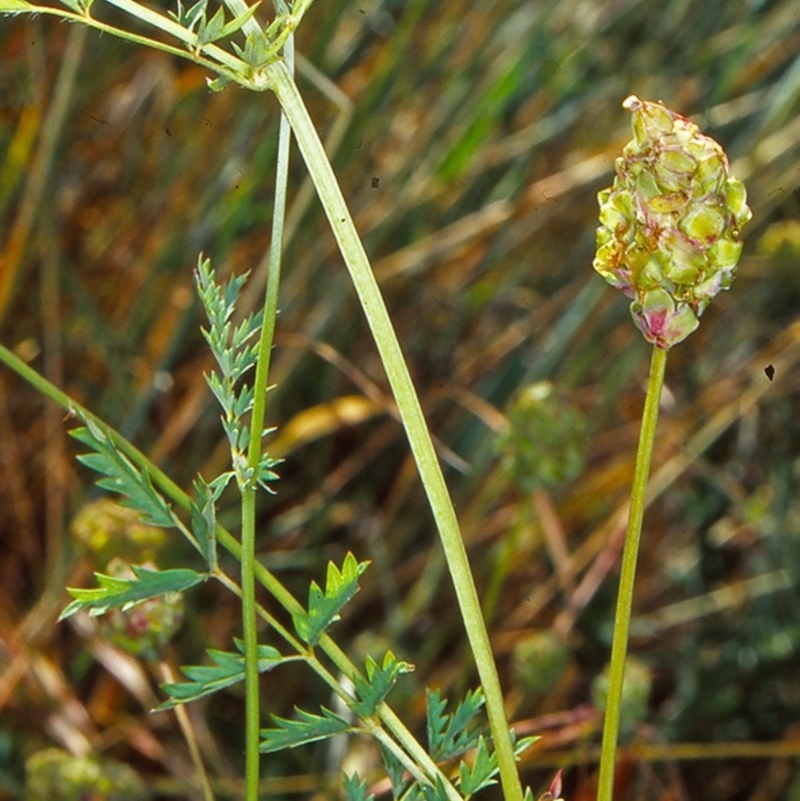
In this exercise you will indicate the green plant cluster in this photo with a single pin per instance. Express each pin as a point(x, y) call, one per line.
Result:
point(450, 735)
point(669, 237)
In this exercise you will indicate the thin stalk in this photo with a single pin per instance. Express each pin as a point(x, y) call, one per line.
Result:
point(248, 558)
point(185, 724)
point(250, 640)
point(231, 69)
point(622, 616)
point(410, 412)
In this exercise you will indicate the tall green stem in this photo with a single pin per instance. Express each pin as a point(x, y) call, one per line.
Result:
point(622, 616)
point(250, 640)
point(248, 559)
point(410, 412)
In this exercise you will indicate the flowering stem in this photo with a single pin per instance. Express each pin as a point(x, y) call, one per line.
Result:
point(622, 616)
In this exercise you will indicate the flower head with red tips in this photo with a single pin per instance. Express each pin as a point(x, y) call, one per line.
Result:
point(669, 234)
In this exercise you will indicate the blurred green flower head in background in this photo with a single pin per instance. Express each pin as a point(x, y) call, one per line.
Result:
point(670, 224)
point(57, 775)
point(545, 444)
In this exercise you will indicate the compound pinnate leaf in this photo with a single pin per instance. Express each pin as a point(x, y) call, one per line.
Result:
point(122, 477)
point(483, 770)
point(379, 682)
point(208, 679)
point(305, 728)
point(481, 773)
point(211, 30)
point(124, 593)
point(324, 607)
point(235, 349)
point(450, 735)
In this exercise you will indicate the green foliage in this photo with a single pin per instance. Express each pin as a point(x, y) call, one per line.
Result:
point(146, 628)
point(324, 607)
point(122, 477)
point(396, 772)
point(208, 679)
point(228, 344)
point(124, 593)
point(235, 348)
point(565, 73)
point(189, 17)
point(355, 789)
point(480, 774)
point(451, 735)
point(256, 51)
point(14, 7)
point(483, 770)
point(195, 19)
point(204, 521)
point(79, 6)
point(432, 792)
point(407, 789)
point(379, 682)
point(306, 728)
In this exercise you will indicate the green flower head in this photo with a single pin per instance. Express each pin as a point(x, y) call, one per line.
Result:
point(669, 234)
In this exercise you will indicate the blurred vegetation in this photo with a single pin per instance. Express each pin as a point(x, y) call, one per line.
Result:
point(471, 139)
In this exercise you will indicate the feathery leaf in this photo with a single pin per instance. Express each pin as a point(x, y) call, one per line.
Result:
point(305, 728)
point(115, 592)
